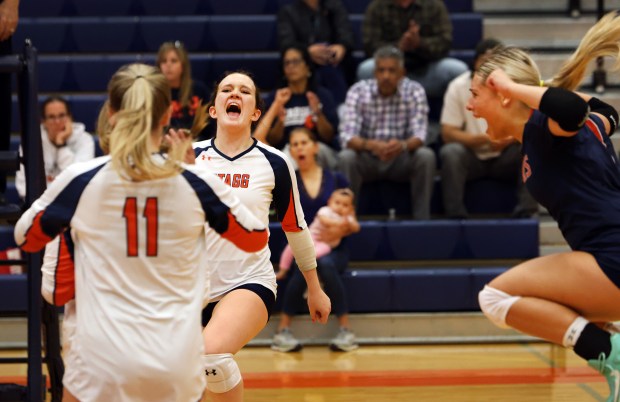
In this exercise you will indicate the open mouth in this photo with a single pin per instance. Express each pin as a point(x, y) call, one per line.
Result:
point(233, 109)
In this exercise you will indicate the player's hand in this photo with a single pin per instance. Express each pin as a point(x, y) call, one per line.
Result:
point(319, 305)
point(178, 143)
point(500, 82)
point(63, 135)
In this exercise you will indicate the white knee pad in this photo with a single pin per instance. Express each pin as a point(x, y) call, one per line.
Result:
point(495, 305)
point(222, 372)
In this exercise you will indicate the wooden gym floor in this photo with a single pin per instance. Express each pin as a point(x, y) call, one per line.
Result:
point(533, 372)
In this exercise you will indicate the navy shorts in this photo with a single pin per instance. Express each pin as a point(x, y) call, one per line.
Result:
point(264, 293)
point(610, 264)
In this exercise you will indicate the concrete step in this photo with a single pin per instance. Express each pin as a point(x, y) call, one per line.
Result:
point(536, 32)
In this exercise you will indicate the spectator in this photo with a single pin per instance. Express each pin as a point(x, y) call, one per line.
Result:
point(339, 211)
point(9, 17)
point(187, 94)
point(469, 153)
point(301, 103)
point(383, 131)
point(315, 186)
point(322, 28)
point(422, 30)
point(64, 141)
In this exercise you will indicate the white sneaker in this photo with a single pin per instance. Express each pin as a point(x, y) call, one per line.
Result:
point(284, 341)
point(344, 341)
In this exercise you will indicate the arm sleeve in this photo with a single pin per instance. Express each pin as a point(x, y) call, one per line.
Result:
point(303, 249)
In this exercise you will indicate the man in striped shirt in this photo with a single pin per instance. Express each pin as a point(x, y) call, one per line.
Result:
point(383, 131)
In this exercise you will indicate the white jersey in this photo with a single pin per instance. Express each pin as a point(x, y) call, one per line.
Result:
point(138, 252)
point(258, 176)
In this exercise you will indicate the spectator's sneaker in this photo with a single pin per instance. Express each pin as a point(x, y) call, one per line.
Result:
point(344, 341)
point(284, 341)
point(610, 368)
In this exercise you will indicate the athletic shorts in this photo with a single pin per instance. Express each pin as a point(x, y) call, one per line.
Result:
point(264, 293)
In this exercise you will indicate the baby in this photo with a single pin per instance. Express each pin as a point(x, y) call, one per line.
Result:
point(338, 211)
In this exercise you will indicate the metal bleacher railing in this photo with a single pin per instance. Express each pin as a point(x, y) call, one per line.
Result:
point(40, 314)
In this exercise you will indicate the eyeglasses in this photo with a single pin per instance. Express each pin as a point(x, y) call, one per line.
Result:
point(292, 62)
point(61, 116)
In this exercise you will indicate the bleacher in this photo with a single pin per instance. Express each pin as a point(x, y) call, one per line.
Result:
point(82, 42)
point(396, 267)
point(415, 266)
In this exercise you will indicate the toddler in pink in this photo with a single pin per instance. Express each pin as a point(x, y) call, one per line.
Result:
point(338, 211)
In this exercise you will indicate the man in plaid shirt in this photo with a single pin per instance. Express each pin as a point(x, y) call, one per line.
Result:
point(383, 130)
point(422, 30)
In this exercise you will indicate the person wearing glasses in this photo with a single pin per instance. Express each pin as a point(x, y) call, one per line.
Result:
point(64, 141)
point(300, 103)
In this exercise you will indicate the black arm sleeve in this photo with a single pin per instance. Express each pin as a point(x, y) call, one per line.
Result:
point(600, 107)
point(567, 108)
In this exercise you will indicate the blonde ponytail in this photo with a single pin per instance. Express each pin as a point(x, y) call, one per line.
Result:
point(602, 39)
point(140, 97)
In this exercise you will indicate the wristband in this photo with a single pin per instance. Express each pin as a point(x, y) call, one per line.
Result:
point(405, 148)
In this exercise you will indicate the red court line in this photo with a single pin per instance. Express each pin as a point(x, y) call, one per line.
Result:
point(419, 378)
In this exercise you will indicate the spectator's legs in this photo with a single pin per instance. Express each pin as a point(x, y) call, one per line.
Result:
point(458, 164)
point(349, 167)
point(436, 76)
point(334, 287)
point(361, 167)
point(292, 301)
point(422, 174)
point(418, 168)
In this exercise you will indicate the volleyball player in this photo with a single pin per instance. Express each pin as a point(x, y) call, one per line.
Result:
point(243, 285)
point(571, 168)
point(139, 257)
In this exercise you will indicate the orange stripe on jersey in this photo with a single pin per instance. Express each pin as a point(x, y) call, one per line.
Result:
point(594, 128)
point(64, 289)
point(246, 240)
point(35, 238)
point(289, 223)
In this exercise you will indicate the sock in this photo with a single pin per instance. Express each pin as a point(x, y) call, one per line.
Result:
point(573, 332)
point(592, 342)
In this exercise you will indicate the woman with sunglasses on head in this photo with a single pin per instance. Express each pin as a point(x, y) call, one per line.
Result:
point(571, 168)
point(243, 285)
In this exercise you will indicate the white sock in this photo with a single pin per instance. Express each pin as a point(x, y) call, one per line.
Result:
point(574, 332)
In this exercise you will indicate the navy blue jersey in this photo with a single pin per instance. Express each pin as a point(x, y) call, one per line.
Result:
point(578, 180)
